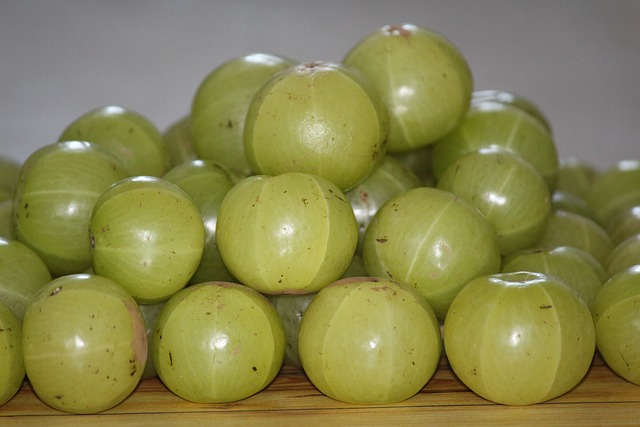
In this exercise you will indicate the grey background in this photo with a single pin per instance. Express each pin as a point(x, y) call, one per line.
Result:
point(578, 60)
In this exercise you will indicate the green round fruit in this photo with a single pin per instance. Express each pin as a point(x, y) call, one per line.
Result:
point(614, 190)
point(433, 240)
point(321, 118)
point(130, 136)
point(624, 255)
point(206, 183)
point(510, 98)
point(11, 357)
point(150, 313)
point(22, 274)
point(179, 142)
point(419, 161)
point(624, 224)
point(290, 233)
point(369, 341)
point(387, 180)
point(575, 176)
point(616, 315)
point(148, 236)
point(423, 78)
point(9, 171)
point(84, 344)
point(519, 338)
point(6, 210)
point(220, 105)
point(576, 268)
point(291, 308)
point(217, 342)
point(566, 228)
point(509, 192)
point(57, 189)
point(498, 125)
point(566, 201)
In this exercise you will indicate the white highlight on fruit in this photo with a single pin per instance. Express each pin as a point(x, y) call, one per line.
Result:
point(219, 341)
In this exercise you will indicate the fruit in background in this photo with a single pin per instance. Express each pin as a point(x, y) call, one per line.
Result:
point(57, 188)
point(509, 191)
point(206, 183)
point(147, 236)
point(150, 313)
point(614, 190)
point(566, 201)
point(387, 180)
point(519, 338)
point(217, 342)
point(510, 98)
point(84, 344)
point(579, 270)
point(290, 233)
point(22, 274)
point(179, 142)
point(623, 256)
point(575, 176)
point(11, 358)
point(570, 229)
point(9, 171)
point(220, 105)
point(493, 124)
point(129, 135)
point(369, 341)
point(432, 240)
point(423, 78)
point(616, 314)
point(6, 209)
point(419, 161)
point(321, 118)
point(624, 224)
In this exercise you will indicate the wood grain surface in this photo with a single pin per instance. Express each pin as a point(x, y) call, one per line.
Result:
point(601, 399)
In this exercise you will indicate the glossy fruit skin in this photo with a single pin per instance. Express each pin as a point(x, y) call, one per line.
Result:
point(129, 135)
point(217, 342)
point(321, 118)
point(624, 224)
point(566, 228)
point(578, 269)
point(498, 125)
point(387, 180)
point(220, 105)
point(148, 236)
point(423, 78)
point(519, 338)
point(616, 316)
point(433, 240)
point(22, 274)
point(566, 201)
point(178, 140)
point(290, 233)
point(84, 344)
point(614, 190)
point(624, 255)
point(11, 357)
point(206, 183)
point(57, 189)
point(369, 340)
point(575, 176)
point(514, 99)
point(509, 192)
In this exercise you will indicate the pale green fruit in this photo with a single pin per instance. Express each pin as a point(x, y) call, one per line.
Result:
point(129, 135)
point(57, 189)
point(148, 236)
point(423, 78)
point(510, 98)
point(614, 190)
point(624, 255)
point(22, 274)
point(320, 118)
point(220, 105)
point(179, 142)
point(290, 233)
point(11, 356)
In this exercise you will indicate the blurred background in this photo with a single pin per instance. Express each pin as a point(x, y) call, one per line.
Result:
point(579, 60)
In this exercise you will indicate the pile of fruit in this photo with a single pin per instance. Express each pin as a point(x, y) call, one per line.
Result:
point(355, 219)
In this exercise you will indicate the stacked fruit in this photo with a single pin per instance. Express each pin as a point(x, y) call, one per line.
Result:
point(332, 216)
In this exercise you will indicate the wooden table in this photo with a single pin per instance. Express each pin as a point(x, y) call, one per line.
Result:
point(602, 399)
